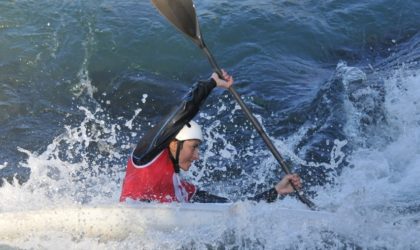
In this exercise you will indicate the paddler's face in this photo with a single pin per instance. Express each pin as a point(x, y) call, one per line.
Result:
point(190, 152)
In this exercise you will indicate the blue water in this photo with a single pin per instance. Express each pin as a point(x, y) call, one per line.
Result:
point(334, 83)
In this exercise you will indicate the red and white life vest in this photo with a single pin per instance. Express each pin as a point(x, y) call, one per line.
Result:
point(155, 181)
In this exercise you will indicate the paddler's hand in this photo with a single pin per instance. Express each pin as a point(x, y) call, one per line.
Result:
point(223, 83)
point(285, 185)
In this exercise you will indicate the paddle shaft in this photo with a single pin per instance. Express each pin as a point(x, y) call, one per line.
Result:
point(248, 113)
point(256, 125)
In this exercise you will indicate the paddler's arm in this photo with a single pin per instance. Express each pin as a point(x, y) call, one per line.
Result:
point(159, 137)
point(283, 187)
point(205, 197)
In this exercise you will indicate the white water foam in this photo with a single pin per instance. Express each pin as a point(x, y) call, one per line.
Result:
point(380, 192)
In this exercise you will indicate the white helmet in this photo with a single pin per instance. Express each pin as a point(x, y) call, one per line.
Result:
point(190, 131)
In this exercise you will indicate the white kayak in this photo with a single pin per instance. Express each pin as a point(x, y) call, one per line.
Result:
point(110, 222)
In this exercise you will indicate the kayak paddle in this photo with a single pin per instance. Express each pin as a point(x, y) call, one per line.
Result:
point(181, 13)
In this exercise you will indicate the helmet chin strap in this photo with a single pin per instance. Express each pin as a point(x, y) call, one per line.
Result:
point(175, 160)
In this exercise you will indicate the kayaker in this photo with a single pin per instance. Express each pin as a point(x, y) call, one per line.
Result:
point(152, 172)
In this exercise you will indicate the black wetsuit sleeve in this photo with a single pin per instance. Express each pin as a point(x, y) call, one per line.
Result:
point(270, 195)
point(200, 196)
point(159, 137)
point(205, 197)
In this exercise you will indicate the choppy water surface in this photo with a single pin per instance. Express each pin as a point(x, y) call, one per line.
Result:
point(335, 84)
